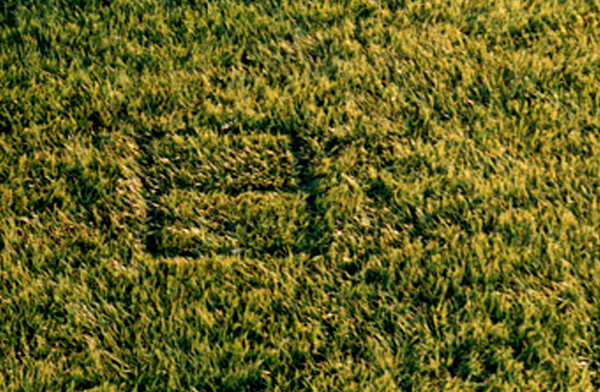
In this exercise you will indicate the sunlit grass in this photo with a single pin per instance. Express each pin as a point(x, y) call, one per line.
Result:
point(355, 195)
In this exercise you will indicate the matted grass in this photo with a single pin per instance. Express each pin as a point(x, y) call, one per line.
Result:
point(353, 195)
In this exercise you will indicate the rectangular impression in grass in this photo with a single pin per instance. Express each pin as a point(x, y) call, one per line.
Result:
point(206, 161)
point(250, 223)
point(230, 163)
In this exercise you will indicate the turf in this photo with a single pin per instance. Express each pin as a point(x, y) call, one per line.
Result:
point(359, 195)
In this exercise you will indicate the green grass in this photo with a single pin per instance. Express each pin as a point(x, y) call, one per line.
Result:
point(359, 195)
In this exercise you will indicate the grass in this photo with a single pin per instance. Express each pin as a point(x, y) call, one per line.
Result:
point(331, 195)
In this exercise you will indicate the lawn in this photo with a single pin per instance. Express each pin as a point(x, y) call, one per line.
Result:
point(358, 195)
